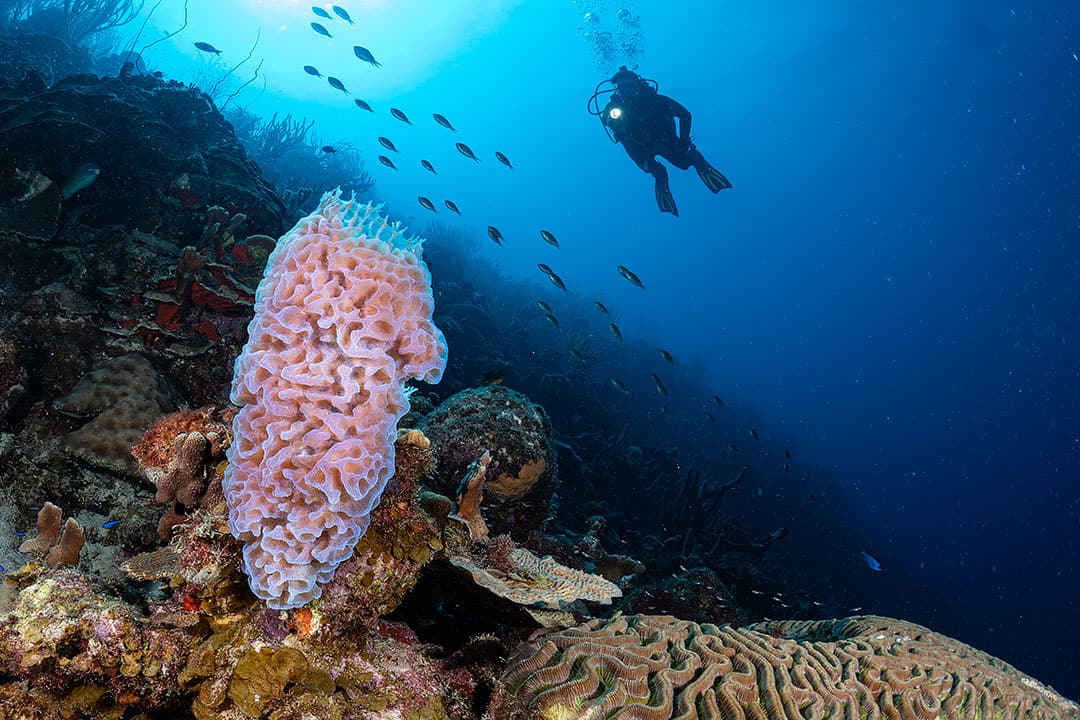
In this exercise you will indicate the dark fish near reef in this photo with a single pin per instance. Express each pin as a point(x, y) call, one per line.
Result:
point(630, 276)
point(328, 149)
point(660, 388)
point(503, 159)
point(466, 151)
point(441, 119)
point(871, 562)
point(321, 30)
point(340, 11)
point(312, 70)
point(387, 162)
point(544, 268)
point(428, 166)
point(619, 385)
point(362, 105)
point(110, 524)
point(82, 178)
point(491, 377)
point(787, 454)
point(549, 238)
point(385, 142)
point(615, 331)
point(718, 400)
point(321, 12)
point(733, 447)
point(493, 233)
point(427, 204)
point(364, 54)
point(544, 307)
point(452, 206)
point(337, 84)
point(667, 356)
point(601, 307)
point(400, 116)
point(207, 47)
point(557, 281)
point(552, 319)
point(754, 433)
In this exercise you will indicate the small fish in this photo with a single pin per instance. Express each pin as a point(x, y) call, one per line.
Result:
point(778, 534)
point(856, 609)
point(441, 119)
point(321, 30)
point(871, 562)
point(757, 592)
point(503, 159)
point(82, 178)
point(452, 206)
point(577, 355)
point(754, 433)
point(491, 377)
point(340, 11)
point(312, 70)
point(552, 319)
point(630, 276)
point(362, 105)
point(718, 400)
point(557, 281)
point(400, 116)
point(466, 151)
point(337, 84)
point(207, 47)
point(321, 12)
point(667, 356)
point(619, 385)
point(787, 454)
point(385, 142)
point(710, 417)
point(427, 204)
point(387, 162)
point(615, 331)
point(601, 307)
point(493, 233)
point(20, 533)
point(664, 410)
point(544, 307)
point(110, 524)
point(428, 166)
point(660, 387)
point(364, 54)
point(544, 268)
point(549, 238)
point(328, 149)
point(733, 447)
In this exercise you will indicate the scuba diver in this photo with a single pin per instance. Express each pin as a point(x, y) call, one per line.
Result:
point(643, 120)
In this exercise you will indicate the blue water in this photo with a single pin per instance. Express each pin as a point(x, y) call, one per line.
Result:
point(889, 289)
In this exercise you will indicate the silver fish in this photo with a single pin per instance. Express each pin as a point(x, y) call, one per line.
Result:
point(82, 178)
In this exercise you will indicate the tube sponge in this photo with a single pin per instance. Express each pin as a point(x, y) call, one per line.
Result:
point(342, 320)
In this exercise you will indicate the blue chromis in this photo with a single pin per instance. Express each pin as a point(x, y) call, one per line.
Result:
point(110, 524)
point(871, 562)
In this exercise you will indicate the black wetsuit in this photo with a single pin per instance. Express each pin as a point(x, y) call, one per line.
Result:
point(645, 126)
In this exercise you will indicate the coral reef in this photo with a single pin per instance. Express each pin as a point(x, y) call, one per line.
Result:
point(652, 666)
point(522, 475)
point(57, 548)
point(342, 320)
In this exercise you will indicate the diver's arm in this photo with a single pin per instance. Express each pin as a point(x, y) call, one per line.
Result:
point(677, 110)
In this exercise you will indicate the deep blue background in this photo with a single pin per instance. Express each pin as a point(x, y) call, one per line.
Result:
point(890, 287)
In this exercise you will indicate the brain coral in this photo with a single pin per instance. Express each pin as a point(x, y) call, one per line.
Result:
point(860, 668)
point(342, 320)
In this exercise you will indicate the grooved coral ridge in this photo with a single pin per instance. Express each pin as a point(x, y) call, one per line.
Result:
point(861, 668)
point(342, 320)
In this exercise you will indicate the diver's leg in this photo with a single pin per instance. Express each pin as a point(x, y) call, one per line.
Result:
point(713, 178)
point(664, 199)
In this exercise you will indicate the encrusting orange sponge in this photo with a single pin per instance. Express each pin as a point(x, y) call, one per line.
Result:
point(342, 320)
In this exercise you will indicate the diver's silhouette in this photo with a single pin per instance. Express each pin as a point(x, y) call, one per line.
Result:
point(643, 120)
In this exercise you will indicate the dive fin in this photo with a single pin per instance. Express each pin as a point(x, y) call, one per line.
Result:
point(713, 178)
point(665, 200)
